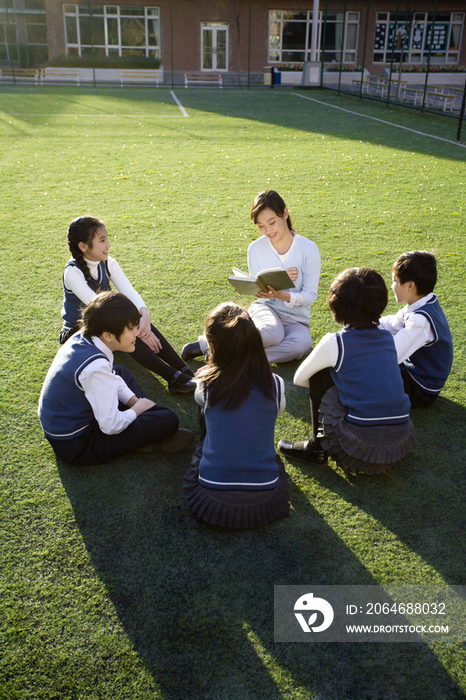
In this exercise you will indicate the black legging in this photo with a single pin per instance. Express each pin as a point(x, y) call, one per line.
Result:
point(165, 363)
point(319, 384)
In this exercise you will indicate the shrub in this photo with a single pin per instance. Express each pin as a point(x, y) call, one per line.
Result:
point(137, 62)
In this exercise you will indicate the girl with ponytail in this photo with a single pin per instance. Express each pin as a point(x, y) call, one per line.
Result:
point(236, 478)
point(90, 271)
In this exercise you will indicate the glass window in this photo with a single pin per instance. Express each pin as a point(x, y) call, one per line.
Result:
point(130, 11)
point(422, 38)
point(290, 36)
point(34, 4)
point(36, 33)
point(116, 30)
point(294, 15)
point(293, 35)
point(112, 31)
point(133, 32)
point(71, 30)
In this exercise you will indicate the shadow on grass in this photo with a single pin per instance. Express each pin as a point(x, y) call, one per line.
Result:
point(421, 500)
point(321, 115)
point(197, 602)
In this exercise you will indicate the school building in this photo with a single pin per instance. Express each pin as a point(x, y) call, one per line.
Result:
point(236, 37)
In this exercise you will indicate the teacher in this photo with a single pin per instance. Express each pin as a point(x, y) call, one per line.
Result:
point(281, 317)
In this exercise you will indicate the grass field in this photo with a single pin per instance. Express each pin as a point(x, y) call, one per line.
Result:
point(108, 589)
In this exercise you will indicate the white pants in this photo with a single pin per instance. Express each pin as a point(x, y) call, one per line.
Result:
point(284, 339)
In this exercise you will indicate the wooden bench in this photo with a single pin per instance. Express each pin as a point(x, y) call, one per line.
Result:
point(439, 100)
point(21, 73)
point(66, 74)
point(205, 78)
point(412, 95)
point(376, 85)
point(140, 76)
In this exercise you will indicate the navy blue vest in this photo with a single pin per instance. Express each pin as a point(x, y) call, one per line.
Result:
point(368, 378)
point(64, 411)
point(239, 451)
point(72, 305)
point(430, 365)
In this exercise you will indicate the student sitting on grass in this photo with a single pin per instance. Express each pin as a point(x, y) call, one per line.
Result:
point(360, 413)
point(81, 400)
point(236, 478)
point(421, 333)
point(89, 271)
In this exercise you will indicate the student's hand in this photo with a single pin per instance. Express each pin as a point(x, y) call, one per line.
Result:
point(292, 273)
point(200, 371)
point(145, 331)
point(142, 405)
point(152, 341)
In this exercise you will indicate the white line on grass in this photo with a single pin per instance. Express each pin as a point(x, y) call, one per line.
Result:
point(183, 111)
point(397, 126)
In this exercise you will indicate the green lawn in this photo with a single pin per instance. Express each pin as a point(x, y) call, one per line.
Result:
point(108, 588)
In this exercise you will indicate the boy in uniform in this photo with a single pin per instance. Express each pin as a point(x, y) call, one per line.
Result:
point(80, 406)
point(421, 333)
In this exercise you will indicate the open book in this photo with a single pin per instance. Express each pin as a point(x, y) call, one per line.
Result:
point(248, 284)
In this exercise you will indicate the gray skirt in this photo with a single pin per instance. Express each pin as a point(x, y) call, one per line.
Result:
point(360, 448)
point(235, 509)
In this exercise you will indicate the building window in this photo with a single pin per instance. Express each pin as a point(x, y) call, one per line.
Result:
point(412, 35)
point(214, 40)
point(290, 36)
point(23, 33)
point(112, 30)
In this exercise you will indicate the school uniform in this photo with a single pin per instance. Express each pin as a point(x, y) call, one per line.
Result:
point(80, 406)
point(236, 478)
point(77, 294)
point(363, 419)
point(424, 348)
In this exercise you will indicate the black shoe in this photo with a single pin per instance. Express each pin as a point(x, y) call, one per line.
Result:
point(175, 388)
point(301, 452)
point(190, 351)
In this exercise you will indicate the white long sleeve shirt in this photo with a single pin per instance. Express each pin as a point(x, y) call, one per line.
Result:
point(76, 282)
point(410, 331)
point(104, 390)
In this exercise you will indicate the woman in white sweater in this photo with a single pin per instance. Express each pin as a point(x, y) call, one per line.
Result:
point(282, 317)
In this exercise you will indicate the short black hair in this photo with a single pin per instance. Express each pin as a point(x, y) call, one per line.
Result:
point(109, 312)
point(357, 297)
point(417, 266)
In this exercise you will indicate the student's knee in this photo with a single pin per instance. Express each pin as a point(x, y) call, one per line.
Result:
point(271, 330)
point(164, 419)
point(271, 336)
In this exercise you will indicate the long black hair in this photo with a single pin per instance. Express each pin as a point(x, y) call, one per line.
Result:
point(83, 230)
point(237, 358)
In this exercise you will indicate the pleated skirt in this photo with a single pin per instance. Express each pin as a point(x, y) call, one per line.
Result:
point(235, 509)
point(359, 448)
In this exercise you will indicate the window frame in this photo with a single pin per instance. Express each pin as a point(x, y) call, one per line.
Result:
point(418, 56)
point(107, 13)
point(277, 54)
